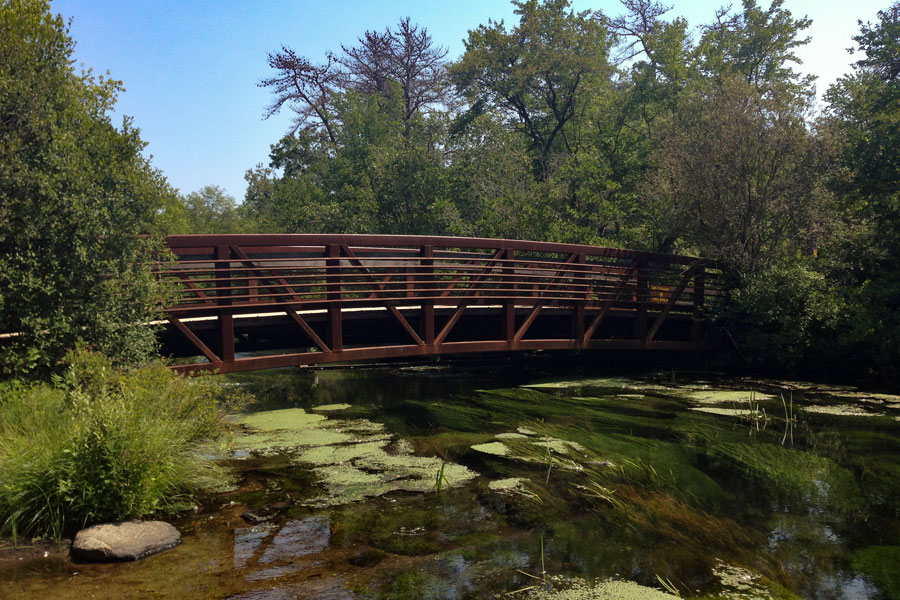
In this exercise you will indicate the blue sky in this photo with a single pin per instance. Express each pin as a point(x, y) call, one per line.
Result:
point(190, 68)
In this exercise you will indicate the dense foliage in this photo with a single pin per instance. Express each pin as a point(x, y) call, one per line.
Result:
point(75, 193)
point(626, 131)
point(102, 445)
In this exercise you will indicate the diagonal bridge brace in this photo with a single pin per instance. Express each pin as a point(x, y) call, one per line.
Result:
point(685, 280)
point(364, 271)
point(539, 304)
point(193, 339)
point(617, 291)
point(281, 281)
point(463, 304)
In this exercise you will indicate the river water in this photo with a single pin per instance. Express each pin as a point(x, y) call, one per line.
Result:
point(498, 479)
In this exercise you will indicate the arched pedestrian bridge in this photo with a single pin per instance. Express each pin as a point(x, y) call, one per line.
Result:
point(258, 301)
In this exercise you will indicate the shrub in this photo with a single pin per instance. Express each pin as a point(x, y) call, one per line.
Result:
point(100, 444)
point(785, 316)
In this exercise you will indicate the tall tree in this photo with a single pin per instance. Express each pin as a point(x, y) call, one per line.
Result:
point(537, 72)
point(306, 88)
point(864, 116)
point(404, 55)
point(211, 210)
point(736, 176)
point(402, 61)
point(75, 193)
point(756, 44)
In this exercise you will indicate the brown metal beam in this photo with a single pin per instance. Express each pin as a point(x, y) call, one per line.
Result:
point(203, 348)
point(669, 304)
point(387, 303)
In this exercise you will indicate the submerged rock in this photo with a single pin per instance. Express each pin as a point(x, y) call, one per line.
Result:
point(131, 540)
point(263, 514)
point(367, 558)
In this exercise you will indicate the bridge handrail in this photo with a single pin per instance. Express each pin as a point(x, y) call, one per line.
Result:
point(425, 285)
point(312, 240)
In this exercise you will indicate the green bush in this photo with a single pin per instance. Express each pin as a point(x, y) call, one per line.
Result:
point(100, 444)
point(784, 316)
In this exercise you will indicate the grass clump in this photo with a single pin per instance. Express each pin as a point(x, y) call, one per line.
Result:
point(98, 444)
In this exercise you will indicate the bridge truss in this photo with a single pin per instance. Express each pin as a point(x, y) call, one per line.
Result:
point(258, 301)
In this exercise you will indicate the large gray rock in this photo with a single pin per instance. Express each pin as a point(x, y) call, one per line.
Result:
point(131, 540)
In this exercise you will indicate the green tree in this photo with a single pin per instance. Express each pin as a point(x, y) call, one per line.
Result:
point(536, 73)
point(212, 210)
point(754, 44)
point(864, 118)
point(75, 193)
point(736, 177)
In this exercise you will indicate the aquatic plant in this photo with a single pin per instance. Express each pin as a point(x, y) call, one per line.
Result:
point(880, 563)
point(668, 585)
point(541, 580)
point(353, 459)
point(795, 478)
point(562, 588)
point(789, 420)
point(440, 478)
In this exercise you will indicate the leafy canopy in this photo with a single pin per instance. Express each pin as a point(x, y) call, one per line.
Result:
point(75, 193)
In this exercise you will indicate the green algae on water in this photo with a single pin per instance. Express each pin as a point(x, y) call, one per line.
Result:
point(728, 412)
point(495, 448)
point(725, 396)
point(597, 382)
point(332, 407)
point(336, 454)
point(842, 410)
point(377, 473)
point(349, 457)
point(285, 429)
point(277, 420)
point(739, 583)
point(579, 589)
point(505, 485)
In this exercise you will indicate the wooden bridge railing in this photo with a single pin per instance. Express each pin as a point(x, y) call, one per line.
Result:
point(220, 277)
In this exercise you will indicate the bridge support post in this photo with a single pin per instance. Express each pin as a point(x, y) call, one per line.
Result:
point(333, 285)
point(643, 296)
point(508, 327)
point(698, 300)
point(427, 282)
point(226, 320)
point(581, 280)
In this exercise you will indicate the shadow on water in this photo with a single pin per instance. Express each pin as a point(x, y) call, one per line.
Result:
point(482, 478)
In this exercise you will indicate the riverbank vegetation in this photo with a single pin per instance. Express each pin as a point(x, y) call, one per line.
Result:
point(99, 444)
point(79, 206)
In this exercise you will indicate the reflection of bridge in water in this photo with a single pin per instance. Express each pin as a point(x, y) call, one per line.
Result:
point(305, 299)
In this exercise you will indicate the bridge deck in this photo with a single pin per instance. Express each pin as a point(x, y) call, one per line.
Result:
point(290, 297)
